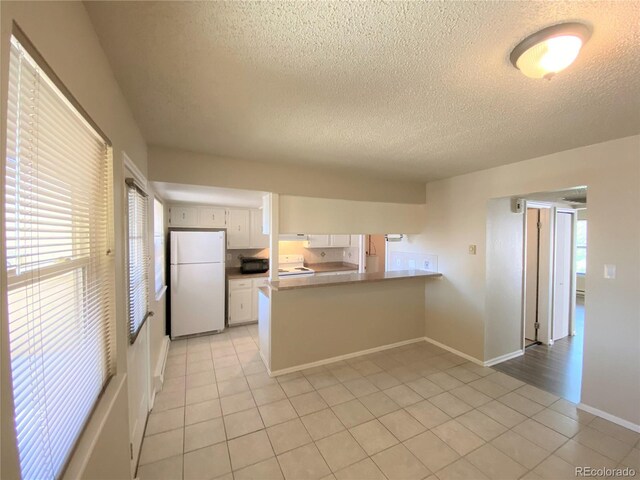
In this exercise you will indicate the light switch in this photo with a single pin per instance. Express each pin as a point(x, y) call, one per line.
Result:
point(472, 249)
point(609, 271)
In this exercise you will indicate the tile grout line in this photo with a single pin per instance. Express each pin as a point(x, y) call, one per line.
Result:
point(399, 364)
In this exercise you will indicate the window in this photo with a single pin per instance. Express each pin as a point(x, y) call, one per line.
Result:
point(138, 258)
point(57, 212)
point(581, 247)
point(158, 245)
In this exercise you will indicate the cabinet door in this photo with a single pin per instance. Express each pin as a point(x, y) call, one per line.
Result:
point(240, 306)
point(318, 241)
point(258, 239)
point(355, 240)
point(183, 216)
point(238, 229)
point(340, 240)
point(212, 217)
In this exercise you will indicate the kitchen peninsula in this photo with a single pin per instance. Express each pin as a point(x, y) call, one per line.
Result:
point(309, 321)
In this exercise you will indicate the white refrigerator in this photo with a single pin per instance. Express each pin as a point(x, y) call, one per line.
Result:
point(197, 282)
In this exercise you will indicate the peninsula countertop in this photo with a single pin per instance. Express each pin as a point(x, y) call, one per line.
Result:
point(332, 267)
point(234, 273)
point(324, 281)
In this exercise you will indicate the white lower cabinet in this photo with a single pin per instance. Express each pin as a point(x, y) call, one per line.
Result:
point(243, 300)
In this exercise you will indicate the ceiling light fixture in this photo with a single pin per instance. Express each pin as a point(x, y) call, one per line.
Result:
point(550, 50)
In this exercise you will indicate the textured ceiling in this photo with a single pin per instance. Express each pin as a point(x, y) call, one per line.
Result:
point(410, 90)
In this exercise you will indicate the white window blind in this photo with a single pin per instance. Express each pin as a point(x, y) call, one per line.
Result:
point(138, 259)
point(158, 245)
point(60, 274)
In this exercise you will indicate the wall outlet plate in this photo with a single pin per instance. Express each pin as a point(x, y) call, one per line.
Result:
point(472, 249)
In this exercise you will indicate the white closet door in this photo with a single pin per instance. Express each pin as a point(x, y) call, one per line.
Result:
point(562, 283)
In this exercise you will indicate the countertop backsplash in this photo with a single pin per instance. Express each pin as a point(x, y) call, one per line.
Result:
point(311, 255)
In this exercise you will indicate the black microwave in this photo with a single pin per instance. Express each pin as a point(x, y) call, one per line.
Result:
point(254, 265)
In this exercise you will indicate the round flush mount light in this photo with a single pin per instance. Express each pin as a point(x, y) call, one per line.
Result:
point(550, 50)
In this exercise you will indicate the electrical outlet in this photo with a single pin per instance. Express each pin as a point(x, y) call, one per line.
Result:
point(426, 265)
point(472, 249)
point(229, 257)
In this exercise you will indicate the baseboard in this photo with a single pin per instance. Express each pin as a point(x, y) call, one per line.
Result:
point(338, 358)
point(607, 416)
point(266, 365)
point(503, 358)
point(454, 351)
point(158, 375)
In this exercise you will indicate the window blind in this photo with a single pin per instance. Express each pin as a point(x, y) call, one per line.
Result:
point(60, 274)
point(158, 245)
point(138, 259)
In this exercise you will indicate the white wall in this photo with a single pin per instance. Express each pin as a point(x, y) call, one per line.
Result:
point(327, 215)
point(64, 36)
point(460, 307)
point(504, 294)
point(179, 166)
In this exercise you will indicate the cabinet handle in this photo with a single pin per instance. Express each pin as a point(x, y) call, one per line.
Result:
point(213, 216)
point(241, 306)
point(183, 215)
point(238, 227)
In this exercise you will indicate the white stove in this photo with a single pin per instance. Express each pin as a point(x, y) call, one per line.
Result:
point(290, 265)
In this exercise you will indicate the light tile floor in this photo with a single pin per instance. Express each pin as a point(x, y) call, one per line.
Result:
point(412, 412)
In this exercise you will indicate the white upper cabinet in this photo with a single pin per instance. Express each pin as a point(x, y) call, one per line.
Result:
point(340, 240)
point(328, 241)
point(318, 241)
point(212, 217)
point(258, 238)
point(238, 228)
point(244, 226)
point(183, 216)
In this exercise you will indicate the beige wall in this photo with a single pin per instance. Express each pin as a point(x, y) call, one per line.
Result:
point(64, 35)
point(338, 216)
point(313, 324)
point(458, 307)
point(179, 166)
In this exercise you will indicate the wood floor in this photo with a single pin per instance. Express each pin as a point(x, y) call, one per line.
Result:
point(556, 369)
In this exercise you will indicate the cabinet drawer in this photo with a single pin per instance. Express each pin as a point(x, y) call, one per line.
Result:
point(235, 284)
point(260, 282)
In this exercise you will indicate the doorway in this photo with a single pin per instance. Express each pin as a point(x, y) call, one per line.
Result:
point(538, 274)
point(375, 249)
point(552, 323)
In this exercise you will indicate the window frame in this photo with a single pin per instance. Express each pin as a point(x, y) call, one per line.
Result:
point(159, 292)
point(135, 180)
point(581, 247)
point(15, 278)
